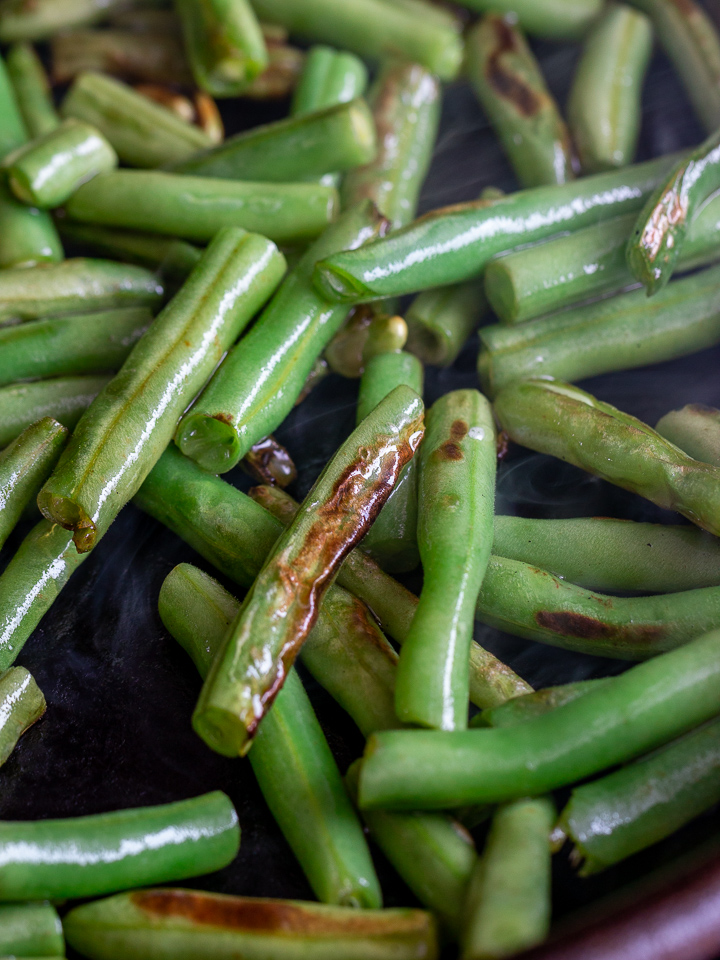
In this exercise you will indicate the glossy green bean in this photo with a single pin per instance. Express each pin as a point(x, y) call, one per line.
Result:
point(455, 244)
point(184, 925)
point(440, 321)
point(328, 77)
point(507, 909)
point(195, 208)
point(63, 398)
point(373, 29)
point(695, 429)
point(536, 704)
point(267, 461)
point(97, 474)
point(617, 333)
point(32, 90)
point(30, 929)
point(21, 705)
point(144, 133)
point(405, 100)
point(174, 259)
point(24, 467)
point(456, 499)
point(610, 819)
point(278, 614)
point(552, 19)
point(47, 171)
point(509, 84)
point(224, 44)
point(89, 856)
point(259, 381)
point(632, 714)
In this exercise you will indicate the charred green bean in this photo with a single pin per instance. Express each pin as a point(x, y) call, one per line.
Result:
point(63, 398)
point(32, 90)
point(441, 321)
point(695, 429)
point(30, 929)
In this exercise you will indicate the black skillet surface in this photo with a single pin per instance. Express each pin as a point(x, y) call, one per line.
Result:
point(120, 692)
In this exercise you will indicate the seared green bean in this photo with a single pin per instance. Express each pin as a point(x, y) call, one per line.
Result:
point(695, 429)
point(195, 208)
point(259, 381)
point(97, 474)
point(20, 20)
point(21, 705)
point(63, 398)
point(536, 704)
point(456, 499)
point(507, 909)
point(184, 925)
point(32, 90)
point(30, 929)
point(456, 243)
point(224, 44)
point(647, 706)
point(267, 461)
point(554, 19)
point(279, 613)
point(24, 467)
point(329, 77)
point(509, 84)
point(405, 100)
point(440, 321)
point(144, 133)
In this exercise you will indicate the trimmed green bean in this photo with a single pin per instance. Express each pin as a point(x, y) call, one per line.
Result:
point(31, 929)
point(281, 76)
point(618, 333)
point(695, 429)
point(184, 925)
point(47, 171)
point(632, 714)
point(278, 614)
point(97, 474)
point(267, 461)
point(259, 381)
point(144, 133)
point(405, 100)
point(224, 44)
point(89, 856)
point(63, 398)
point(456, 499)
point(507, 909)
point(373, 29)
point(32, 90)
point(195, 208)
point(552, 19)
point(329, 77)
point(20, 20)
point(21, 705)
point(455, 244)
point(24, 467)
point(440, 321)
point(509, 84)
point(536, 704)
point(641, 804)
point(604, 108)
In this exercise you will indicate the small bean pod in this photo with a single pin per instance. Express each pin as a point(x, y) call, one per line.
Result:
point(32, 90)
point(30, 929)
point(695, 429)
point(21, 705)
point(63, 398)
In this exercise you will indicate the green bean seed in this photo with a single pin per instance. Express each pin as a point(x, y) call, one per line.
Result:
point(63, 398)
point(268, 461)
point(32, 90)
point(536, 704)
point(695, 429)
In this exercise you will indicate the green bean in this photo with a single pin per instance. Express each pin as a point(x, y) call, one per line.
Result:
point(184, 925)
point(440, 321)
point(30, 929)
point(344, 353)
point(690, 39)
point(64, 398)
point(536, 704)
point(695, 429)
point(47, 171)
point(553, 19)
point(373, 29)
point(89, 856)
point(641, 804)
point(144, 133)
point(268, 461)
point(224, 44)
point(617, 333)
point(20, 20)
point(195, 208)
point(13, 132)
point(24, 467)
point(509, 84)
point(456, 500)
point(21, 705)
point(32, 90)
point(117, 443)
point(632, 714)
point(508, 903)
point(329, 77)
point(249, 672)
point(318, 372)
point(75, 285)
point(405, 100)
point(454, 244)
point(617, 555)
point(605, 101)
point(556, 418)
point(258, 383)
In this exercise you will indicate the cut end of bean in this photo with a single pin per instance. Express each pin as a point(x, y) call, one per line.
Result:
point(222, 731)
point(335, 284)
point(211, 442)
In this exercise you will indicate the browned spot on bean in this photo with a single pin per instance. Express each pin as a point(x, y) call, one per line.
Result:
point(569, 624)
point(223, 417)
point(506, 84)
point(449, 451)
point(686, 7)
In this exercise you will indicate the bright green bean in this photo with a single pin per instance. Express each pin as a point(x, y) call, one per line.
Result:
point(456, 498)
point(21, 705)
point(185, 925)
point(509, 84)
point(32, 90)
point(536, 704)
point(508, 902)
point(117, 443)
point(553, 19)
point(440, 321)
point(63, 398)
point(632, 714)
point(30, 929)
point(195, 208)
point(695, 429)
point(329, 77)
point(258, 383)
